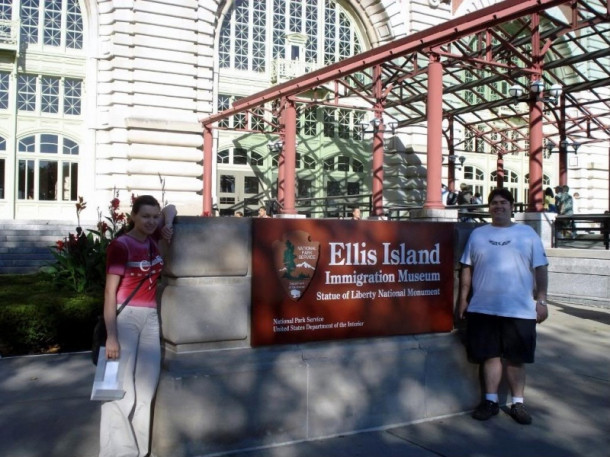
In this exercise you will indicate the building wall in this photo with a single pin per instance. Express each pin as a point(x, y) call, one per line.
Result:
point(155, 74)
point(150, 72)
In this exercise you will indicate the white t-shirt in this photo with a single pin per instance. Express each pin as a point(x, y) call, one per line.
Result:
point(503, 260)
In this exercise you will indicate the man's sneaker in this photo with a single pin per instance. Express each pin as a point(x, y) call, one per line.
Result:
point(520, 414)
point(486, 410)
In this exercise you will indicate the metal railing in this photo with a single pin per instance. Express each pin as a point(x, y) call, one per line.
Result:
point(285, 69)
point(466, 213)
point(578, 229)
point(335, 207)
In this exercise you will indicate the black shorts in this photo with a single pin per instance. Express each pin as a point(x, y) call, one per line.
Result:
point(489, 336)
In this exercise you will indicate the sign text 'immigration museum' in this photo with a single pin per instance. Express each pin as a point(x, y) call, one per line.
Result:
point(316, 279)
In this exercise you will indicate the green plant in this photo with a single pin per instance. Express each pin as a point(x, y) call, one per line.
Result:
point(35, 319)
point(80, 258)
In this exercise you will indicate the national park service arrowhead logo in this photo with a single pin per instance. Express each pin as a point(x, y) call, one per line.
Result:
point(295, 258)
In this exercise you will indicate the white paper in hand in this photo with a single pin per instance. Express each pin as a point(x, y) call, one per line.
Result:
point(107, 383)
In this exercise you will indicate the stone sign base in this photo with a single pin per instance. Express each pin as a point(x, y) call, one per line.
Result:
point(219, 401)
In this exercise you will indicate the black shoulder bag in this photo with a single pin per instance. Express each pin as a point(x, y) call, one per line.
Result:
point(99, 331)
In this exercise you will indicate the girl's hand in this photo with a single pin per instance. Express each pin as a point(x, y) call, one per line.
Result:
point(113, 348)
point(167, 232)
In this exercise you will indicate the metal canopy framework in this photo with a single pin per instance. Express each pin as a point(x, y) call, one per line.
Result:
point(463, 71)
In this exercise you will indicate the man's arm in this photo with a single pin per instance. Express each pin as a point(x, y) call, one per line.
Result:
point(542, 281)
point(465, 283)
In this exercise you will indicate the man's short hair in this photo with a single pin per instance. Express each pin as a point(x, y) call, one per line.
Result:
point(566, 188)
point(504, 193)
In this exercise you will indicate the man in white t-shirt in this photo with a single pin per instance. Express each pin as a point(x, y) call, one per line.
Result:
point(503, 263)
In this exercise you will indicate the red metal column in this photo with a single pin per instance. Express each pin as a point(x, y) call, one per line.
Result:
point(451, 164)
point(500, 171)
point(536, 203)
point(281, 161)
point(281, 167)
point(377, 186)
point(435, 133)
point(563, 151)
point(290, 154)
point(536, 193)
point(208, 140)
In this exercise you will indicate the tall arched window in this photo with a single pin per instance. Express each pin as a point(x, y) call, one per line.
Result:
point(43, 98)
point(475, 178)
point(343, 175)
point(546, 182)
point(511, 182)
point(254, 32)
point(51, 23)
point(48, 168)
point(261, 43)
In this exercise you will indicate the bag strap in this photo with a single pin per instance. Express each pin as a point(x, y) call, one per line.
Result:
point(133, 292)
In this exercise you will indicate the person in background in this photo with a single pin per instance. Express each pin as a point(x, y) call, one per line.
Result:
point(262, 212)
point(356, 214)
point(549, 201)
point(465, 195)
point(238, 214)
point(464, 198)
point(566, 208)
point(134, 335)
point(558, 190)
point(503, 263)
point(576, 203)
point(444, 194)
point(567, 203)
point(477, 199)
point(450, 198)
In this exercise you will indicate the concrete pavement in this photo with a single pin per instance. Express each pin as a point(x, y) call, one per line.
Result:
point(46, 409)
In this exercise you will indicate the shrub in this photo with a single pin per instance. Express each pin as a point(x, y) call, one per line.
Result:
point(36, 317)
point(80, 259)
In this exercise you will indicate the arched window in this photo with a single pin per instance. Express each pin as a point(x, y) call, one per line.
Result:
point(343, 175)
point(51, 23)
point(546, 182)
point(48, 168)
point(254, 32)
point(475, 178)
point(511, 182)
point(239, 156)
point(239, 183)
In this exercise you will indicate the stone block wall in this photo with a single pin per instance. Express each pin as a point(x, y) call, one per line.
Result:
point(579, 276)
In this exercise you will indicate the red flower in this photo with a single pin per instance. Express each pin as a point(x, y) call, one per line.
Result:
point(114, 203)
point(59, 245)
point(81, 205)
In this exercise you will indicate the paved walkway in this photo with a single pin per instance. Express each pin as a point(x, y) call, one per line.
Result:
point(45, 409)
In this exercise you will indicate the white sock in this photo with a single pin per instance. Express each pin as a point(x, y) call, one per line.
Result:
point(517, 400)
point(492, 397)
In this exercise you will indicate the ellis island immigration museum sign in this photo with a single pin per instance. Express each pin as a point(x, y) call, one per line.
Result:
point(318, 280)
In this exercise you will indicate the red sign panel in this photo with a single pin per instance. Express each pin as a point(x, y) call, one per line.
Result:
point(316, 279)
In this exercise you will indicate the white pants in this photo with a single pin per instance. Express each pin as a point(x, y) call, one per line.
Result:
point(125, 425)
